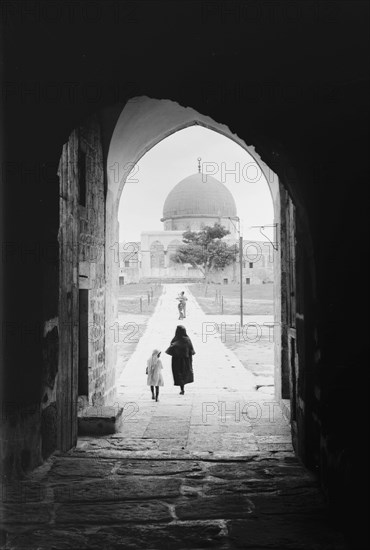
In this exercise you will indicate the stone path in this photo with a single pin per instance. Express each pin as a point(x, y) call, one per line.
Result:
point(220, 415)
point(211, 469)
point(90, 502)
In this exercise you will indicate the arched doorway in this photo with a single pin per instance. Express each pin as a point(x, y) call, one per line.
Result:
point(156, 255)
point(142, 123)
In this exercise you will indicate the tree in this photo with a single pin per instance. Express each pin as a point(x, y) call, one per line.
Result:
point(205, 249)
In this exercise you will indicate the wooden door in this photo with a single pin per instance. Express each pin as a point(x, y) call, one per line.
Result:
point(67, 388)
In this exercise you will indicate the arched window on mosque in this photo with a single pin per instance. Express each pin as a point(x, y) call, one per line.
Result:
point(171, 249)
point(156, 254)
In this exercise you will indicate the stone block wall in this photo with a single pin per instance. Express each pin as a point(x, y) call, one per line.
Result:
point(92, 254)
point(111, 298)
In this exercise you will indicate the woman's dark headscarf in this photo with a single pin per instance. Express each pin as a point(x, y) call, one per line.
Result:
point(181, 343)
point(180, 332)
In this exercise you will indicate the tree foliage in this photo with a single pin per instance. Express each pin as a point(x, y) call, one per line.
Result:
point(205, 249)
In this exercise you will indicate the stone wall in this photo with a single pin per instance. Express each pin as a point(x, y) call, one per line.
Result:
point(92, 256)
point(35, 423)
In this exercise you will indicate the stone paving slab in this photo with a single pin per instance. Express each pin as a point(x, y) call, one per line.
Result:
point(263, 469)
point(167, 431)
point(121, 443)
point(25, 513)
point(117, 512)
point(158, 503)
point(287, 532)
point(174, 477)
point(47, 539)
point(273, 446)
point(121, 488)
point(172, 445)
point(173, 536)
point(219, 507)
point(158, 467)
point(269, 429)
point(176, 451)
point(22, 491)
point(74, 468)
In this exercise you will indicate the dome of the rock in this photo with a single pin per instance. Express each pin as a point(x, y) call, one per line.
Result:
point(199, 196)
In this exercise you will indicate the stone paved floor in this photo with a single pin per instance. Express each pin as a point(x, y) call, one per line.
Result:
point(220, 415)
point(211, 469)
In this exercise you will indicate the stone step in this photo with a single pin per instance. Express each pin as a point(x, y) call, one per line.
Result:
point(99, 420)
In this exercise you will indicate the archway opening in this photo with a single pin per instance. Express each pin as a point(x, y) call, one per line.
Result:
point(161, 237)
point(142, 124)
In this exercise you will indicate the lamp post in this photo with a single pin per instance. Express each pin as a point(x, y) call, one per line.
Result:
point(241, 275)
point(240, 268)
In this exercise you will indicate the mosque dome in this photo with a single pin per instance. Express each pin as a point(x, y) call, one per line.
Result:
point(199, 196)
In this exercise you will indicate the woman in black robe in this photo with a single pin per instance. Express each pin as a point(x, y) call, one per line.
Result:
point(181, 351)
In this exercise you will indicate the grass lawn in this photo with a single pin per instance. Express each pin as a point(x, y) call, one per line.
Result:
point(138, 298)
point(133, 320)
point(225, 299)
point(256, 356)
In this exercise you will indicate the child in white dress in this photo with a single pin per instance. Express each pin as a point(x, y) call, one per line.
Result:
point(153, 370)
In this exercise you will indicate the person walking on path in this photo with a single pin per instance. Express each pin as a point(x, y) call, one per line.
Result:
point(181, 310)
point(153, 370)
point(182, 305)
point(182, 351)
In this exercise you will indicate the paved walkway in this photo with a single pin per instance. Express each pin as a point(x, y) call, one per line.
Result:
point(211, 469)
point(221, 413)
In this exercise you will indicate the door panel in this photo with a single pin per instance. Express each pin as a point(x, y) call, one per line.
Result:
point(68, 297)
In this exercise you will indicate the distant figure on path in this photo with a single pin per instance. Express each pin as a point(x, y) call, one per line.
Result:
point(181, 308)
point(181, 351)
point(182, 305)
point(153, 370)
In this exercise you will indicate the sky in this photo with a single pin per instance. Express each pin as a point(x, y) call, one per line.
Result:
point(175, 158)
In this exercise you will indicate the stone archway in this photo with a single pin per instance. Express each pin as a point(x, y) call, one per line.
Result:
point(156, 255)
point(142, 124)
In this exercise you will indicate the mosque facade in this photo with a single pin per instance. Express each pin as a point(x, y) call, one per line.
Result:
point(195, 202)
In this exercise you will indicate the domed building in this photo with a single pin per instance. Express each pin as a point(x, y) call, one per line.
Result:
point(195, 202)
